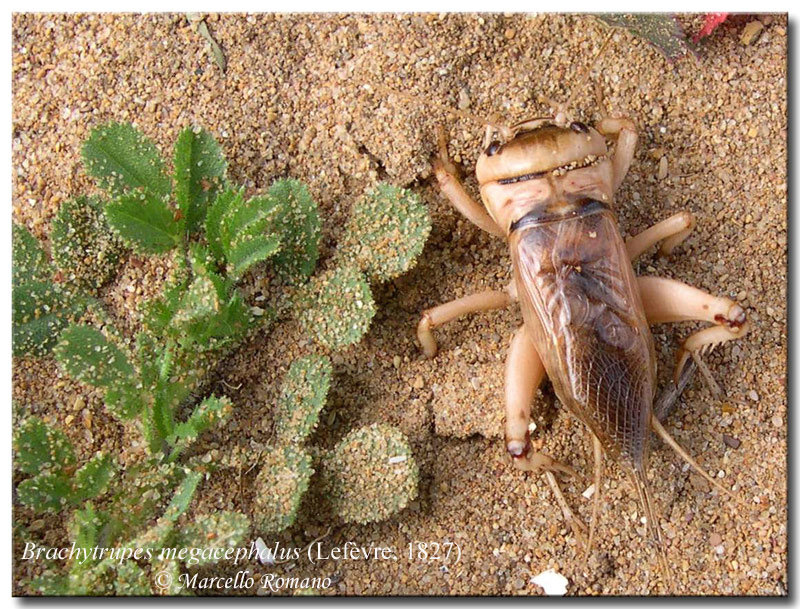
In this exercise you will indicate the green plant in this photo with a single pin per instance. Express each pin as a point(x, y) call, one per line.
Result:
point(41, 307)
point(213, 236)
point(371, 472)
point(84, 248)
point(386, 232)
point(55, 482)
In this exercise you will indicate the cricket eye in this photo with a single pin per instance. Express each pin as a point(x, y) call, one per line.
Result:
point(579, 127)
point(492, 149)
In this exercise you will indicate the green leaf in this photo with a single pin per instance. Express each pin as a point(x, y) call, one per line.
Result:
point(210, 411)
point(84, 526)
point(144, 223)
point(92, 479)
point(51, 584)
point(122, 159)
point(40, 309)
point(84, 247)
point(246, 253)
point(303, 395)
point(371, 474)
point(336, 307)
point(48, 492)
point(298, 225)
point(183, 496)
point(214, 219)
point(386, 233)
point(661, 30)
point(131, 580)
point(280, 486)
point(221, 530)
point(41, 447)
point(88, 356)
point(199, 174)
point(29, 261)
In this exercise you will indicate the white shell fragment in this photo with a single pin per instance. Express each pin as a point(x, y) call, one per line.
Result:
point(265, 555)
point(531, 427)
point(589, 492)
point(553, 583)
point(398, 459)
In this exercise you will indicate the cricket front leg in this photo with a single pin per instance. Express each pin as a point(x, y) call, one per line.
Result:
point(437, 316)
point(452, 188)
point(625, 133)
point(524, 374)
point(667, 300)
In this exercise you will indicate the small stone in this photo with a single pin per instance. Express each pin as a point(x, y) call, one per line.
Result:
point(663, 168)
point(753, 395)
point(750, 32)
point(418, 382)
point(463, 100)
point(731, 441)
point(79, 404)
point(396, 361)
point(777, 421)
point(36, 525)
point(715, 539)
point(510, 33)
point(68, 419)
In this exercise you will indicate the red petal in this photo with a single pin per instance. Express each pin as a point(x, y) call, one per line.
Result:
point(710, 23)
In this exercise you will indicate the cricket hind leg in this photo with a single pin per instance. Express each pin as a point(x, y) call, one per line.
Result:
point(524, 374)
point(437, 316)
point(667, 300)
point(451, 187)
point(673, 231)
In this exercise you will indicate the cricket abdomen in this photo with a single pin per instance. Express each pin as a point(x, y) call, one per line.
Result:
point(581, 302)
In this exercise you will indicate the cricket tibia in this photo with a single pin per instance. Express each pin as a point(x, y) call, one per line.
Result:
point(653, 521)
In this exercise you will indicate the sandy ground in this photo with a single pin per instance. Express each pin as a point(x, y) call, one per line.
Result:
point(301, 97)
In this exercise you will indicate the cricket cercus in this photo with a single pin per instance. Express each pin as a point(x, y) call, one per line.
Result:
point(548, 187)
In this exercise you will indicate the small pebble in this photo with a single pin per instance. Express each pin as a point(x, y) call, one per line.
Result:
point(753, 395)
point(777, 421)
point(731, 441)
point(419, 383)
point(396, 361)
point(715, 539)
point(751, 32)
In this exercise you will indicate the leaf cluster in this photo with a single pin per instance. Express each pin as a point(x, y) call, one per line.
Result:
point(48, 458)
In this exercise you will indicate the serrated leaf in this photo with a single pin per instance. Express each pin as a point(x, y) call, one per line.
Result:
point(144, 223)
point(221, 530)
point(29, 261)
point(48, 492)
point(280, 486)
point(41, 447)
point(183, 496)
point(214, 220)
point(122, 159)
point(245, 254)
point(336, 307)
point(303, 395)
point(298, 225)
point(40, 310)
point(88, 356)
point(386, 232)
point(210, 411)
point(84, 526)
point(93, 477)
point(199, 174)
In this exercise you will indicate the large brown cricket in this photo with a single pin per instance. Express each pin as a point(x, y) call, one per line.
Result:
point(548, 186)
